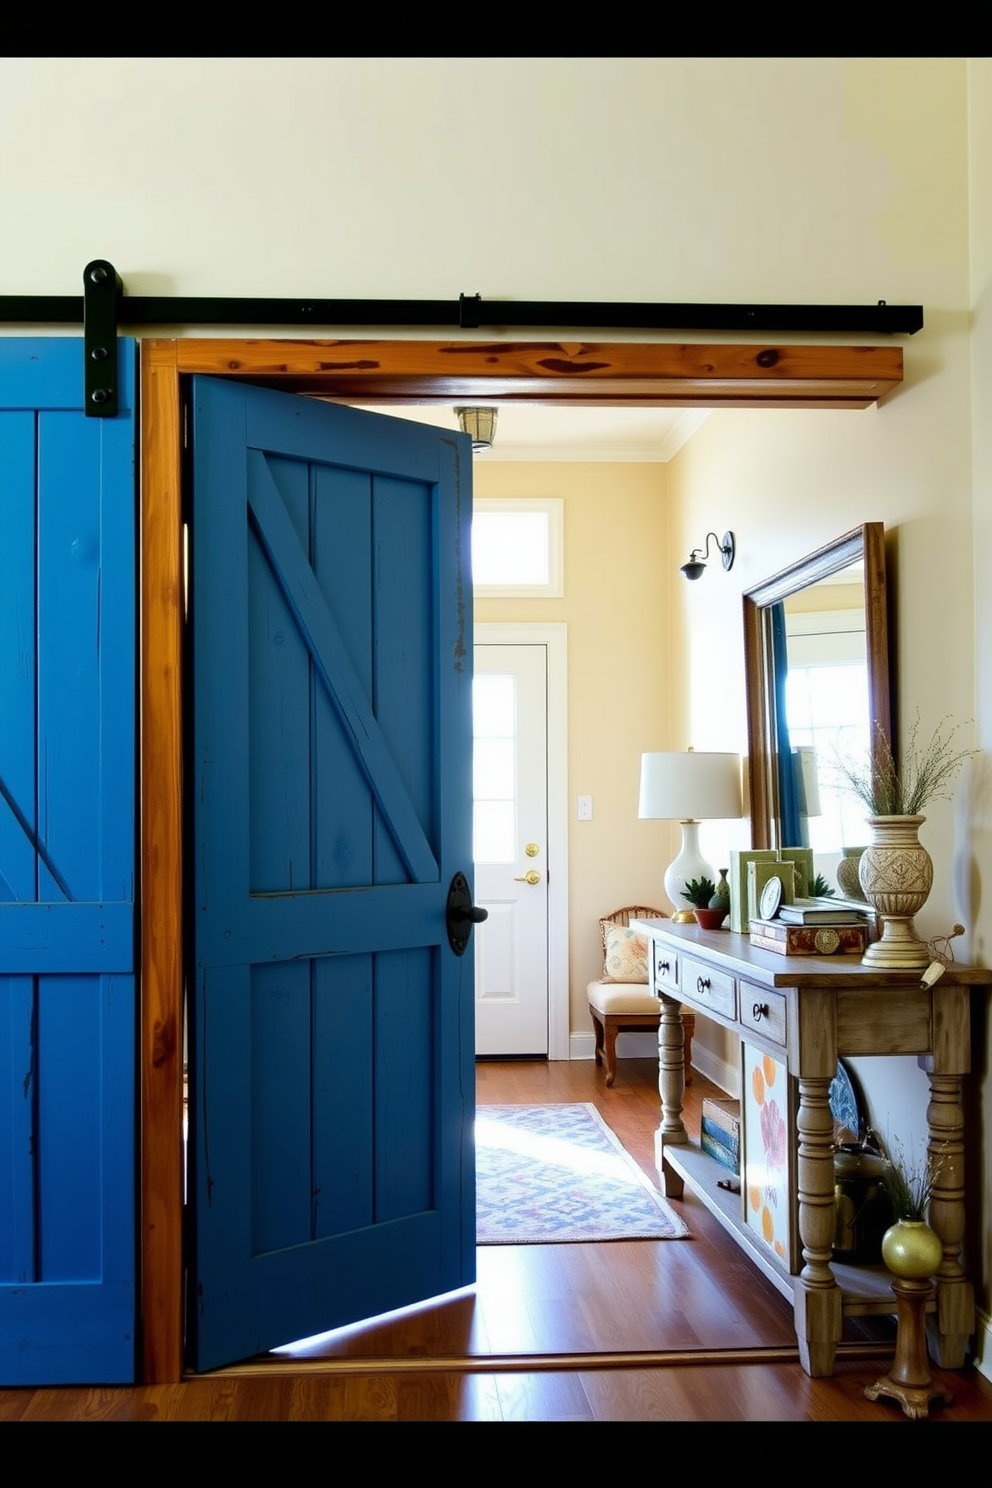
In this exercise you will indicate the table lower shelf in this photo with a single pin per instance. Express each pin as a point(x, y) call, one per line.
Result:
point(865, 1290)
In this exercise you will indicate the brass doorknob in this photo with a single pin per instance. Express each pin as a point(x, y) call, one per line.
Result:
point(531, 876)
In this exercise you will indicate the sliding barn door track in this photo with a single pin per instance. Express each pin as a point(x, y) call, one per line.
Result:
point(104, 306)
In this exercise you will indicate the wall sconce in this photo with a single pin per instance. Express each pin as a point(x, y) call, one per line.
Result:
point(694, 568)
point(480, 424)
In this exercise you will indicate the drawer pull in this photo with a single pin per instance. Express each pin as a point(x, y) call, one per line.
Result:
point(664, 966)
point(759, 1011)
point(702, 984)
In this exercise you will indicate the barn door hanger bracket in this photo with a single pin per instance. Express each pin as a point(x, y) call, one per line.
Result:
point(105, 306)
point(102, 288)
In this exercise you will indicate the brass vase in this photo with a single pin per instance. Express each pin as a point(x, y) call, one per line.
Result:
point(896, 875)
point(911, 1249)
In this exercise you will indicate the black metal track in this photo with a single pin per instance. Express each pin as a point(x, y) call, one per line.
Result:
point(103, 307)
point(471, 312)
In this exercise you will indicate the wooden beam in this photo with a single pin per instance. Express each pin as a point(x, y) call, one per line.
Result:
point(589, 373)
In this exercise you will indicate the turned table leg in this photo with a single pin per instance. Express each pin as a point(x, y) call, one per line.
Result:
point(818, 1312)
point(952, 1323)
point(671, 1087)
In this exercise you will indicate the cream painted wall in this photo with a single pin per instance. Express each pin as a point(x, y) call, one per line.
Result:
point(616, 554)
point(817, 180)
point(628, 178)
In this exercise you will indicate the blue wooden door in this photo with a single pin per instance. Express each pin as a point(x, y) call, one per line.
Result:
point(331, 1036)
point(67, 854)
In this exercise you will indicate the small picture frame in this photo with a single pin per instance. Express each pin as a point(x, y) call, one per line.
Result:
point(738, 882)
point(771, 898)
point(758, 874)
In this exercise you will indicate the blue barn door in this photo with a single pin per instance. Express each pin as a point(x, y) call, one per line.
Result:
point(67, 855)
point(332, 1026)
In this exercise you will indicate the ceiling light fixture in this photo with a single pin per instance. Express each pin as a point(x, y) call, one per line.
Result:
point(480, 424)
point(694, 568)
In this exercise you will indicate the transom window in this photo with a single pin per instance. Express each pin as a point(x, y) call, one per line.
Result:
point(517, 547)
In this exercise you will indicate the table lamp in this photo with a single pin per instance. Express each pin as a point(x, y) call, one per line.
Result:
point(689, 788)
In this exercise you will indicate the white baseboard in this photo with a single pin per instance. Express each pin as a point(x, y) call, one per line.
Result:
point(629, 1046)
point(727, 1076)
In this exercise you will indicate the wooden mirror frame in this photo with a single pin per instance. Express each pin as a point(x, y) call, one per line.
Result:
point(865, 543)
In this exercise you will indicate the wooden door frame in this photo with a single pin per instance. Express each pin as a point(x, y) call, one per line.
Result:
point(592, 374)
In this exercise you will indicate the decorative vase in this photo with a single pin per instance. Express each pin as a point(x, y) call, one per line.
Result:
point(896, 874)
point(847, 874)
point(912, 1250)
point(721, 896)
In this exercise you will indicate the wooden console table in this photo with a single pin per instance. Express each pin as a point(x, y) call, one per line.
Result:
point(805, 1011)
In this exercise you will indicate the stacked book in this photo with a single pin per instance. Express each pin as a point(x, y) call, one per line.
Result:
point(720, 1131)
point(810, 927)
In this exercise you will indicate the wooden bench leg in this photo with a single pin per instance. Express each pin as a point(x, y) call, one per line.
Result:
point(610, 1050)
point(598, 1028)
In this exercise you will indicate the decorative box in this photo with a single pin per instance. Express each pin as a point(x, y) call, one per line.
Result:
point(727, 1157)
point(809, 940)
point(723, 1112)
point(720, 1131)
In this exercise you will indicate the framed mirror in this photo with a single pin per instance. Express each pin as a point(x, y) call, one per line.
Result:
point(816, 656)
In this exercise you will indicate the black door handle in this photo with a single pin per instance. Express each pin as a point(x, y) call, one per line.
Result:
point(461, 914)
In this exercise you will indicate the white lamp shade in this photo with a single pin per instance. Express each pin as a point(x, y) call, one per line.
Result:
point(690, 786)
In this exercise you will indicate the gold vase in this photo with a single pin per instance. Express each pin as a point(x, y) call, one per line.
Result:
point(896, 875)
point(911, 1249)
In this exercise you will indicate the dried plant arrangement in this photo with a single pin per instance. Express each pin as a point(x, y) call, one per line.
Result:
point(887, 788)
point(910, 1186)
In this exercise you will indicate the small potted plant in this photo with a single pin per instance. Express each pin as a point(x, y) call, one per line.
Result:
point(699, 892)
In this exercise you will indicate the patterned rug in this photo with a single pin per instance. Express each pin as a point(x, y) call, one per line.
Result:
point(549, 1174)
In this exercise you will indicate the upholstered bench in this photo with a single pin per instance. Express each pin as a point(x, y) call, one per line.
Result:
point(621, 1000)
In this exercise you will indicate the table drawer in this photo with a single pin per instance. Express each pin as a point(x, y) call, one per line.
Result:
point(665, 968)
point(707, 987)
point(763, 1011)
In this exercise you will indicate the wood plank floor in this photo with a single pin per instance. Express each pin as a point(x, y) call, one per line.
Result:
point(684, 1330)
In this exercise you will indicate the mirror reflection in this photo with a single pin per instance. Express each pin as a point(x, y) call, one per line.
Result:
point(817, 658)
point(820, 648)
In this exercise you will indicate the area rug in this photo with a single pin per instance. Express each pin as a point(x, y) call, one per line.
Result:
point(550, 1174)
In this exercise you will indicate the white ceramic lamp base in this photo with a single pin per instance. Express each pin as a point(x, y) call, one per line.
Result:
point(689, 864)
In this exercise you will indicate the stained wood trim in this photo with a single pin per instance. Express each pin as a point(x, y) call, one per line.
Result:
point(160, 898)
point(575, 373)
point(632, 374)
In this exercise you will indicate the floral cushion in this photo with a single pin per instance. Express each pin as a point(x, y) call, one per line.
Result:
point(626, 953)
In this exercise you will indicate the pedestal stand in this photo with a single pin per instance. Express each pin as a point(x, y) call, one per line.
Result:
point(909, 1381)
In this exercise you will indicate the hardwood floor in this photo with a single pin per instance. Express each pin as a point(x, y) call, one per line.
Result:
point(684, 1330)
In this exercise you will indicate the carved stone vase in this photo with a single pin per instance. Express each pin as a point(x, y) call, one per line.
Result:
point(896, 875)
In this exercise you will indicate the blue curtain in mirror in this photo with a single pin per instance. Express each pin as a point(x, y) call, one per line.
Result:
point(788, 795)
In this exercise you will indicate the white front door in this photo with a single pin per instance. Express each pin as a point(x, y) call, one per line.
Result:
point(511, 848)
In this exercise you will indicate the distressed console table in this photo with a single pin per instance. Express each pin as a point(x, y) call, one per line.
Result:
point(804, 1011)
